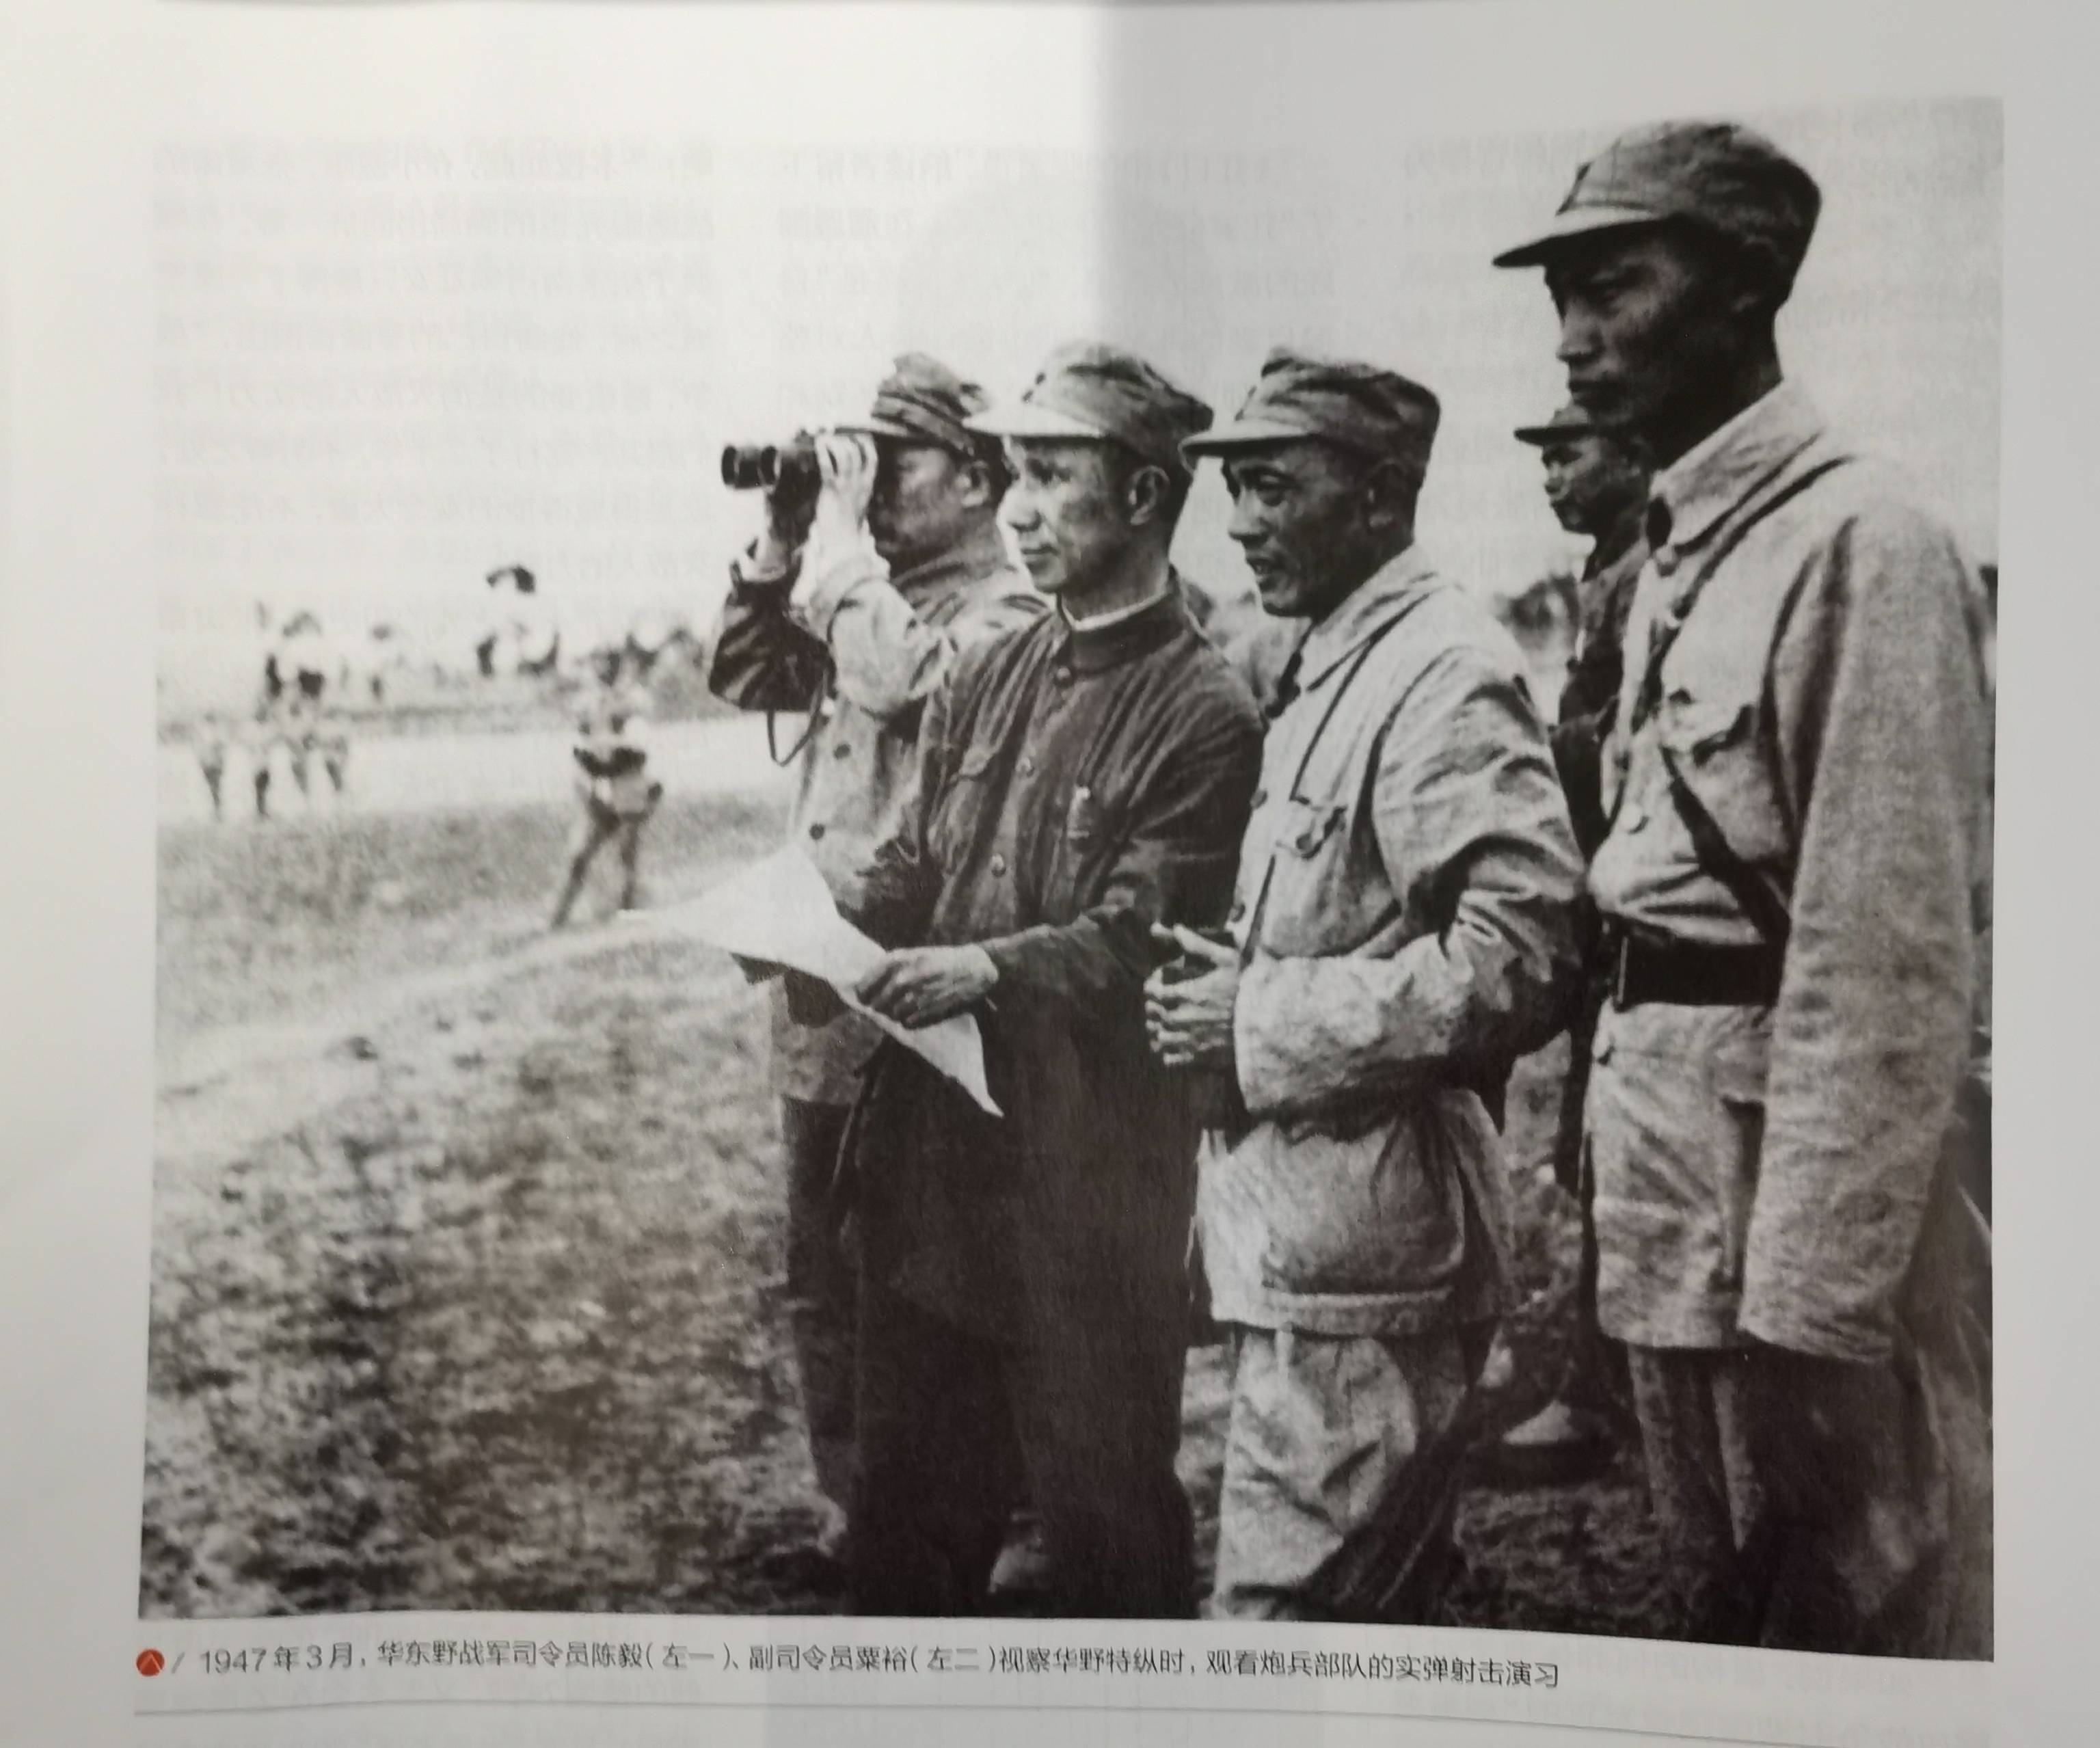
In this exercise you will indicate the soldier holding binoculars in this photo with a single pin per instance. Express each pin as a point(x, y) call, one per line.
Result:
point(846, 613)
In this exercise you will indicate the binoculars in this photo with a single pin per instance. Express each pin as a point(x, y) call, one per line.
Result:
point(766, 466)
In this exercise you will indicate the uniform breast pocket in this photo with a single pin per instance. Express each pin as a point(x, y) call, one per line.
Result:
point(1312, 907)
point(1714, 748)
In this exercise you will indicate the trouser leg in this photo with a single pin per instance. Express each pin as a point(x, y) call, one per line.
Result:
point(821, 1288)
point(1097, 1407)
point(630, 862)
point(1321, 1429)
point(936, 1473)
point(591, 832)
point(1869, 1540)
point(1701, 1483)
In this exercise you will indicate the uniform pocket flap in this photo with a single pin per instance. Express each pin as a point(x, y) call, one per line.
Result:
point(1715, 751)
point(1696, 729)
point(1308, 825)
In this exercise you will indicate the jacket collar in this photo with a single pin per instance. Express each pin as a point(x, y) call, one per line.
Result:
point(1091, 649)
point(940, 579)
point(1752, 451)
point(1393, 587)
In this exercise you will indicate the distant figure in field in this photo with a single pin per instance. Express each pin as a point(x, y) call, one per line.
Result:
point(528, 634)
point(612, 782)
point(296, 712)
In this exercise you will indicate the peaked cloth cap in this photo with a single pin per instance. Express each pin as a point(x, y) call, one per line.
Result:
point(1721, 176)
point(1090, 392)
point(1570, 422)
point(922, 400)
point(1374, 411)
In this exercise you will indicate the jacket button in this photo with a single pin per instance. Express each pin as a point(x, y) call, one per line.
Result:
point(999, 864)
point(1027, 766)
point(817, 829)
point(1062, 676)
point(845, 752)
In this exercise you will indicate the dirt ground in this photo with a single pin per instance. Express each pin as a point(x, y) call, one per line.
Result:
point(468, 1255)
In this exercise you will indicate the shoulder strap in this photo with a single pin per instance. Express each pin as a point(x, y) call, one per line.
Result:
point(1663, 632)
point(1765, 908)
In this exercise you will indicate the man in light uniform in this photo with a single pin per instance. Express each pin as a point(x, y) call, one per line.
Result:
point(1794, 873)
point(1401, 932)
point(851, 650)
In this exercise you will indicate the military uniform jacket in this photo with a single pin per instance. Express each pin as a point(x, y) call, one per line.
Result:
point(1826, 700)
point(1074, 786)
point(853, 656)
point(1404, 911)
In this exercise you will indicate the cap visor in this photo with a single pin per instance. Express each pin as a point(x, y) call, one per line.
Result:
point(1027, 419)
point(1543, 436)
point(1583, 221)
point(1243, 434)
point(882, 428)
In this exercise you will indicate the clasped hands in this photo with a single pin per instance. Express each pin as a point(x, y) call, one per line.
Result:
point(1188, 1020)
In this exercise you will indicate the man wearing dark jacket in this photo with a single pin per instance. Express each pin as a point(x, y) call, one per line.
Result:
point(1025, 1286)
point(850, 649)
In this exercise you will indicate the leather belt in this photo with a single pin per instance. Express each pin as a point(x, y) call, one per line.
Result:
point(1677, 973)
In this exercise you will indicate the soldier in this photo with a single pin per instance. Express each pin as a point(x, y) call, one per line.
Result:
point(290, 712)
point(1401, 932)
point(1024, 1293)
point(210, 740)
point(855, 650)
point(613, 785)
point(1597, 485)
point(1794, 869)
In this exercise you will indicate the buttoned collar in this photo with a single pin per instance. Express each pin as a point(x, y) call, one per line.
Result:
point(1720, 472)
point(1089, 649)
point(1388, 590)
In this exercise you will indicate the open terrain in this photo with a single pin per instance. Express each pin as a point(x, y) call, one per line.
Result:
point(468, 1251)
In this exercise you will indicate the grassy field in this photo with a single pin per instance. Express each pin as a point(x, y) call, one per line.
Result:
point(468, 1252)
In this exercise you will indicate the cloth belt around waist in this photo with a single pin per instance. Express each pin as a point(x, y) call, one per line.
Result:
point(1645, 968)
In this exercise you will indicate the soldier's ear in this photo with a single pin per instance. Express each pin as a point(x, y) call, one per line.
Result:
point(978, 486)
point(1146, 495)
point(1390, 490)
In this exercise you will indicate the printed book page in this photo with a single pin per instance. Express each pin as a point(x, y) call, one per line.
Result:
point(1385, 616)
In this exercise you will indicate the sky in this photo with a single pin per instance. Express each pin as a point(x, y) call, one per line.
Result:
point(392, 357)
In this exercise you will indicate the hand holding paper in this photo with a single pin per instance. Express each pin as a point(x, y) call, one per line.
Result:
point(922, 986)
point(777, 916)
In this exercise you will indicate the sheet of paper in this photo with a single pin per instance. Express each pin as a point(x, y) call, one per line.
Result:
point(780, 909)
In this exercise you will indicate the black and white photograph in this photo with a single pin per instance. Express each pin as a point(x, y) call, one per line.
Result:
point(912, 880)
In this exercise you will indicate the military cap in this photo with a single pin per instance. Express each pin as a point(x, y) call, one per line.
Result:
point(1570, 422)
point(1092, 392)
point(922, 400)
point(1716, 174)
point(1373, 411)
